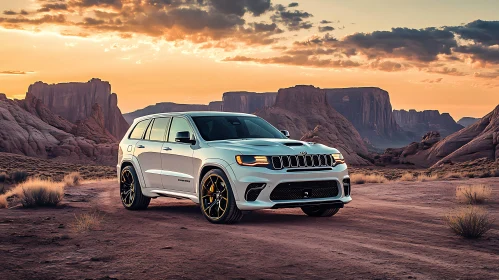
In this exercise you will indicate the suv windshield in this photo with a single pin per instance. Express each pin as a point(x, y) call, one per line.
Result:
point(214, 128)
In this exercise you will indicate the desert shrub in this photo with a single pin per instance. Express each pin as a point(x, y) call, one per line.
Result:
point(426, 178)
point(366, 179)
point(18, 176)
point(474, 194)
point(470, 222)
point(3, 177)
point(87, 221)
point(485, 174)
point(407, 177)
point(36, 193)
point(494, 173)
point(72, 179)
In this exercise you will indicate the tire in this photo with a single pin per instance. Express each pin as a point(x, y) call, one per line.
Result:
point(320, 211)
point(129, 182)
point(215, 192)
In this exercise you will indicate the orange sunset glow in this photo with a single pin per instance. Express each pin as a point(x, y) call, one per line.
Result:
point(192, 51)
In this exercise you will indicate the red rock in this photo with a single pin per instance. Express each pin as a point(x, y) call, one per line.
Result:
point(429, 120)
point(247, 102)
point(36, 107)
point(370, 111)
point(74, 101)
point(304, 111)
point(167, 107)
point(93, 128)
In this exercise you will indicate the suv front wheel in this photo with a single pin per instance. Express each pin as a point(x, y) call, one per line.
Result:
point(217, 199)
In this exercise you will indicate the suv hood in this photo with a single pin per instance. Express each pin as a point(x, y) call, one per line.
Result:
point(271, 147)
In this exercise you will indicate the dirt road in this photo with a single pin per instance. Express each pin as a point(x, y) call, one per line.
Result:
point(389, 231)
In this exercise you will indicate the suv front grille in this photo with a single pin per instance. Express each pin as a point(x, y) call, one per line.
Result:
point(305, 190)
point(281, 162)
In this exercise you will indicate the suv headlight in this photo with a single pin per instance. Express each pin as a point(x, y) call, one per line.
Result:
point(252, 160)
point(338, 158)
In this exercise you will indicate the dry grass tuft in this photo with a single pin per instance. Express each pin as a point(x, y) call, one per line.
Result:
point(454, 175)
point(367, 179)
point(38, 193)
point(426, 178)
point(87, 221)
point(407, 177)
point(474, 194)
point(470, 222)
point(72, 179)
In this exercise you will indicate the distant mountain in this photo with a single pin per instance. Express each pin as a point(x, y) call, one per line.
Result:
point(467, 121)
point(421, 122)
point(305, 112)
point(247, 102)
point(479, 140)
point(168, 107)
point(370, 111)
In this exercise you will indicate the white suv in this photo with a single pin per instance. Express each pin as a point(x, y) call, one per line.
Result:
point(228, 163)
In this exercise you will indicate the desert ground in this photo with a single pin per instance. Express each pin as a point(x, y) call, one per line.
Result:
point(390, 231)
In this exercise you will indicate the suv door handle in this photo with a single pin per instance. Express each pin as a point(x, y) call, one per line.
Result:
point(167, 149)
point(140, 147)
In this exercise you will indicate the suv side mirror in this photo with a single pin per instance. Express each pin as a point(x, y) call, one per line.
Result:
point(184, 137)
point(286, 133)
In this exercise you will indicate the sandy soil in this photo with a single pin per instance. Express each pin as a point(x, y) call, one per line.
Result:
point(390, 231)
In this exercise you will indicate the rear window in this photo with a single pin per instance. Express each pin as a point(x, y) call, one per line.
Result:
point(139, 129)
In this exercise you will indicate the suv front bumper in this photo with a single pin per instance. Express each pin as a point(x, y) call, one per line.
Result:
point(242, 176)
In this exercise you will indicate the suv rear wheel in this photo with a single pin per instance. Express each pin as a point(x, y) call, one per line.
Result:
point(319, 211)
point(217, 199)
point(130, 191)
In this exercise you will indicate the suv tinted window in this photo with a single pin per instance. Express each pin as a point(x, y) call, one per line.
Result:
point(214, 128)
point(178, 125)
point(159, 129)
point(139, 129)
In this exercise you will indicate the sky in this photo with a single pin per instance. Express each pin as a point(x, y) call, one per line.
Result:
point(441, 55)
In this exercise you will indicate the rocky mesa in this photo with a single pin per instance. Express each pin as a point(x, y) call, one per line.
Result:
point(421, 122)
point(304, 111)
point(74, 102)
point(247, 102)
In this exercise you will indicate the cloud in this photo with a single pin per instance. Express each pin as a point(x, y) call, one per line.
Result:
point(447, 71)
point(15, 72)
point(240, 7)
point(325, 28)
point(53, 7)
point(432, 81)
point(325, 22)
point(293, 20)
point(479, 31)
point(487, 75)
point(293, 5)
point(116, 4)
point(9, 13)
point(297, 60)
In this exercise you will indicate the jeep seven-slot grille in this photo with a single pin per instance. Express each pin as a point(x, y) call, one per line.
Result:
point(305, 190)
point(280, 162)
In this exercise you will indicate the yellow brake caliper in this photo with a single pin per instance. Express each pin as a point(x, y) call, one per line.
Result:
point(212, 190)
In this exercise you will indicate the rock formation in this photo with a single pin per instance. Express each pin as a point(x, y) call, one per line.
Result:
point(167, 107)
point(467, 121)
point(247, 102)
point(429, 120)
point(304, 111)
point(480, 140)
point(26, 133)
point(93, 127)
point(74, 102)
point(370, 111)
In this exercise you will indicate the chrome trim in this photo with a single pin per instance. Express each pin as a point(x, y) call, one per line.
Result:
point(316, 160)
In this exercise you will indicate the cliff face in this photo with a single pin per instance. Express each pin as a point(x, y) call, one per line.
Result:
point(429, 120)
point(304, 111)
point(25, 132)
point(74, 102)
point(370, 111)
point(247, 102)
